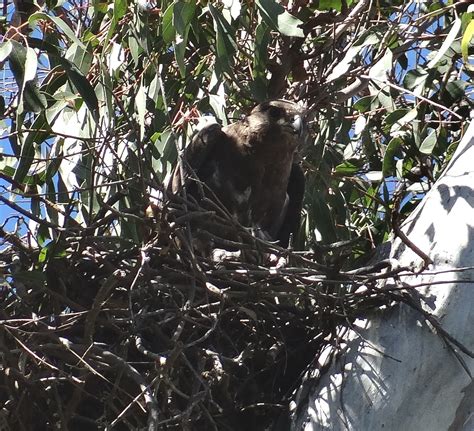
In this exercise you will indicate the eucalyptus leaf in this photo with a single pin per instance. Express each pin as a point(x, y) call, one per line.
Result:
point(389, 160)
point(82, 85)
point(31, 65)
point(276, 17)
point(365, 103)
point(59, 23)
point(466, 40)
point(330, 4)
point(393, 117)
point(429, 143)
point(447, 43)
point(39, 132)
point(23, 67)
point(454, 92)
point(371, 37)
point(415, 78)
point(168, 30)
point(349, 167)
point(183, 13)
point(5, 50)
point(225, 45)
point(404, 120)
point(380, 70)
point(140, 103)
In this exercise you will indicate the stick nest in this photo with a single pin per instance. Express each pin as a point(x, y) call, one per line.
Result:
point(99, 333)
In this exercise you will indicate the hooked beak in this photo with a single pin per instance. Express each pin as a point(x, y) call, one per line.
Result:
point(297, 125)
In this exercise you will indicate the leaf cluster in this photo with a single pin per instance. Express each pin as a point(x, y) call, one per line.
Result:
point(106, 306)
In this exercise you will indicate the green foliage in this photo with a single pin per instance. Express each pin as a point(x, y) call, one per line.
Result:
point(279, 19)
point(124, 83)
point(106, 97)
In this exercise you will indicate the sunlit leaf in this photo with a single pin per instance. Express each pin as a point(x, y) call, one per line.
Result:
point(279, 19)
point(119, 10)
point(167, 25)
point(404, 120)
point(23, 66)
point(226, 45)
point(330, 4)
point(365, 103)
point(349, 167)
point(31, 65)
point(447, 43)
point(380, 70)
point(466, 40)
point(59, 23)
point(82, 85)
point(429, 143)
point(360, 125)
point(140, 103)
point(5, 49)
point(369, 38)
point(234, 7)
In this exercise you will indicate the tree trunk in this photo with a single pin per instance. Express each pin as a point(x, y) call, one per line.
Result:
point(399, 374)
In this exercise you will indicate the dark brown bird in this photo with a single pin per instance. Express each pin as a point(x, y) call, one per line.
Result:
point(251, 167)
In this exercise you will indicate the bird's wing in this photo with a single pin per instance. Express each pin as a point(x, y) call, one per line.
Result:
point(292, 217)
point(197, 156)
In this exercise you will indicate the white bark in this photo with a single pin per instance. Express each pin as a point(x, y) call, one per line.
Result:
point(400, 375)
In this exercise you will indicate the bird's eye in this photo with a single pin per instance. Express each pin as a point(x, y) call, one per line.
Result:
point(274, 112)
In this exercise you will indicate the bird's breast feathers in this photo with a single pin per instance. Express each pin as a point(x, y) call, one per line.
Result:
point(247, 164)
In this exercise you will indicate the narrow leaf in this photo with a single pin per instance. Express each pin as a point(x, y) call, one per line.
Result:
point(389, 161)
point(59, 23)
point(5, 49)
point(120, 8)
point(167, 26)
point(82, 85)
point(407, 118)
point(28, 151)
point(348, 168)
point(26, 159)
point(360, 125)
point(225, 45)
point(31, 64)
point(466, 40)
point(140, 104)
point(278, 18)
point(22, 59)
point(429, 143)
point(182, 16)
point(447, 43)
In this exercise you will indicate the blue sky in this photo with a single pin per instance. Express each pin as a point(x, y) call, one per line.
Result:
point(7, 83)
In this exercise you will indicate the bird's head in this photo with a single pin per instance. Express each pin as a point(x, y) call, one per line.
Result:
point(278, 117)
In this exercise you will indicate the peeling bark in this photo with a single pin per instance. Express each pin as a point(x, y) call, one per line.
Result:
point(401, 375)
